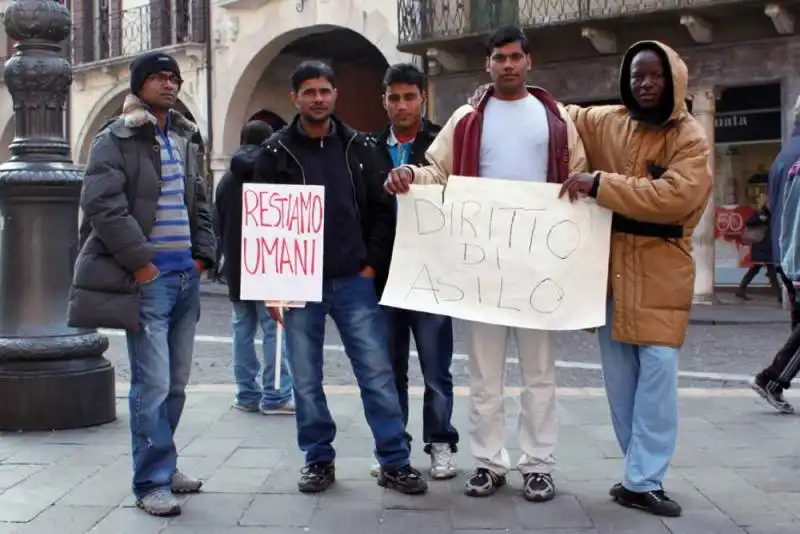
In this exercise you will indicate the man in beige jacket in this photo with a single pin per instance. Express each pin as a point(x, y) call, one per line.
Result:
point(514, 132)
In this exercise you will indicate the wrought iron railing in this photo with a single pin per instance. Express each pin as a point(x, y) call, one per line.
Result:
point(132, 31)
point(424, 20)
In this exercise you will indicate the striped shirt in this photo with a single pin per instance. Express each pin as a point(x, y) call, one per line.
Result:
point(171, 235)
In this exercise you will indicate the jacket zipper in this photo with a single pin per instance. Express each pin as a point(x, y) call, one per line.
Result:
point(352, 179)
point(302, 171)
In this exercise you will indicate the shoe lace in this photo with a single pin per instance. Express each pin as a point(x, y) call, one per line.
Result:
point(407, 473)
point(316, 469)
point(442, 456)
point(660, 496)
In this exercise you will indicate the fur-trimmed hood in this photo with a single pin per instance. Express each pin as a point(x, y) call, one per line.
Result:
point(135, 115)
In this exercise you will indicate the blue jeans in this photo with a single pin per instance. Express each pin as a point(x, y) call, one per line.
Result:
point(433, 335)
point(247, 315)
point(352, 304)
point(160, 355)
point(642, 389)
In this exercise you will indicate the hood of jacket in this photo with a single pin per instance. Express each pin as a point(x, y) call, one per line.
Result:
point(243, 162)
point(135, 115)
point(673, 104)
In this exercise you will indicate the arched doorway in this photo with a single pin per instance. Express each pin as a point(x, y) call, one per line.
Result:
point(271, 118)
point(263, 81)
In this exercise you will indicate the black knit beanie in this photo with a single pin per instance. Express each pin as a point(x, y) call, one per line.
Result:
point(148, 64)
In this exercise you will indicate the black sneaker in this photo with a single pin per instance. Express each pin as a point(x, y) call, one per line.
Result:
point(773, 395)
point(483, 483)
point(538, 487)
point(654, 502)
point(405, 480)
point(317, 477)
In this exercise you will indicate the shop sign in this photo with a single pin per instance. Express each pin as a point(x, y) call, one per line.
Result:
point(729, 225)
point(745, 126)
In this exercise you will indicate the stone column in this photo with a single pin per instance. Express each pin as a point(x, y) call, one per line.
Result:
point(51, 376)
point(704, 110)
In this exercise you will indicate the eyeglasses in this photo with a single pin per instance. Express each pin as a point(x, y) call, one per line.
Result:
point(164, 77)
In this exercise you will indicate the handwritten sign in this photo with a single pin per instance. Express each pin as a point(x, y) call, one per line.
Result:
point(501, 252)
point(282, 228)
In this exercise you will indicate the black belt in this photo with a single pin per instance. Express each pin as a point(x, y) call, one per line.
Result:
point(625, 225)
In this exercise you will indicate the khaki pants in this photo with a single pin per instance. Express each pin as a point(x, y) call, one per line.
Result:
point(538, 427)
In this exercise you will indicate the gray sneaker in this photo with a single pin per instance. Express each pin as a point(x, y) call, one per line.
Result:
point(284, 409)
point(160, 503)
point(182, 483)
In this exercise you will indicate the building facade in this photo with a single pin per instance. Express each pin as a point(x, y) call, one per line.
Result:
point(236, 57)
point(743, 58)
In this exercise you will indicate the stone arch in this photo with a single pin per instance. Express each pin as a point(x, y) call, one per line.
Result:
point(253, 52)
point(109, 105)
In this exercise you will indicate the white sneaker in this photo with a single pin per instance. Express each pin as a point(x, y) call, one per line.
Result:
point(284, 409)
point(443, 464)
point(375, 470)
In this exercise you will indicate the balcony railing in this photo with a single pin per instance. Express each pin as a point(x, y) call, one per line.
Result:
point(430, 20)
point(121, 34)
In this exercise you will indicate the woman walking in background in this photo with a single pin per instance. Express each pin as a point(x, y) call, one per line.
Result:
point(758, 235)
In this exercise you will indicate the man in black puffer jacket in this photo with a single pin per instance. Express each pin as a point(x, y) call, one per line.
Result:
point(252, 394)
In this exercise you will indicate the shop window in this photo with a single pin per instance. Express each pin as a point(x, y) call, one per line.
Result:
point(747, 134)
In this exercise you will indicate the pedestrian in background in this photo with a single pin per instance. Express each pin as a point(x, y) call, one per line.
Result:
point(254, 393)
point(759, 233)
point(149, 236)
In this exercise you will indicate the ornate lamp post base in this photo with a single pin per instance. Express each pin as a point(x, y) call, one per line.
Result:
point(52, 376)
point(70, 391)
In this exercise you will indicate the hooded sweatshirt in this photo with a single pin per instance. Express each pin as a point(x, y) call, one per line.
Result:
point(229, 213)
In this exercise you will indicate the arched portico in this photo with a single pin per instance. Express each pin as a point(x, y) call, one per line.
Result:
point(254, 51)
point(110, 105)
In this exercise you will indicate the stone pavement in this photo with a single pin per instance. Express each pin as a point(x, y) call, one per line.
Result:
point(736, 471)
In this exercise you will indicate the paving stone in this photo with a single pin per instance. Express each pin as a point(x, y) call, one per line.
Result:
point(280, 510)
point(498, 511)
point(38, 492)
point(129, 521)
point(255, 458)
point(562, 512)
point(206, 446)
point(66, 520)
point(47, 453)
point(11, 475)
point(103, 487)
point(405, 521)
point(236, 480)
point(213, 509)
point(705, 521)
point(348, 518)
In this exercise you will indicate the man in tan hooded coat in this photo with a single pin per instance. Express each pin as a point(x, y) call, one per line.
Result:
point(652, 170)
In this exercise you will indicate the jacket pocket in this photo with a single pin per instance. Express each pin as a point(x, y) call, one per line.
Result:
point(667, 274)
point(101, 272)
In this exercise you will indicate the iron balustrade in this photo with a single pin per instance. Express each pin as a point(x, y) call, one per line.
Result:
point(430, 20)
point(126, 33)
